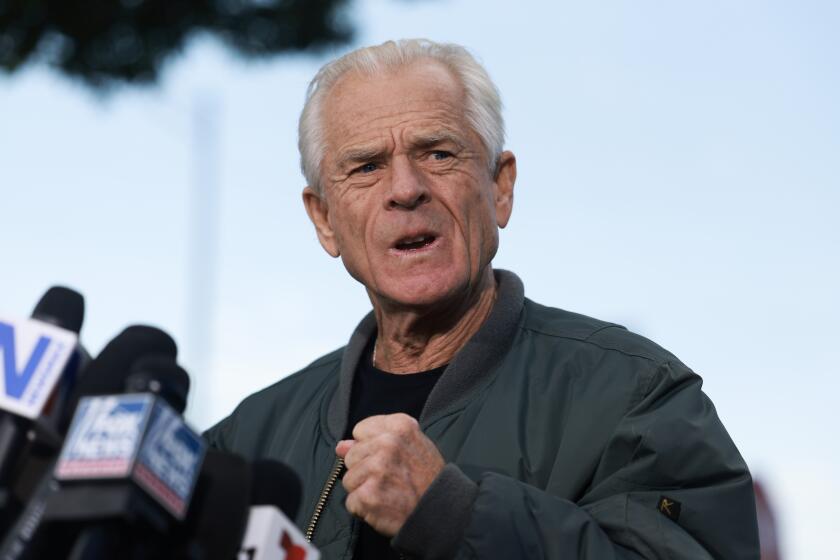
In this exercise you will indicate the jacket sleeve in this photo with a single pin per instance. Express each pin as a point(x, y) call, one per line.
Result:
point(669, 484)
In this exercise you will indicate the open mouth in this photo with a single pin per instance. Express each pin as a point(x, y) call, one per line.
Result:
point(415, 243)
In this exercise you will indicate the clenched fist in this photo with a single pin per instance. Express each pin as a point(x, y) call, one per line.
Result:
point(390, 464)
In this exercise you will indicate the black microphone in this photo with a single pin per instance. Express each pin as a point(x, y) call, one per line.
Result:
point(37, 354)
point(41, 356)
point(107, 373)
point(218, 513)
point(275, 498)
point(62, 307)
point(276, 484)
point(128, 467)
point(160, 375)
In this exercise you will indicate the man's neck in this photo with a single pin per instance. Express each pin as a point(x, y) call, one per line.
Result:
point(411, 341)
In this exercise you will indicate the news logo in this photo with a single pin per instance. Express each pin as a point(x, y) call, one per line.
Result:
point(104, 437)
point(169, 460)
point(32, 356)
point(134, 436)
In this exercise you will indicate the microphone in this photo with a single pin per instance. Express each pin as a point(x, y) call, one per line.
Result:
point(218, 512)
point(146, 375)
point(105, 375)
point(109, 372)
point(62, 307)
point(275, 498)
point(40, 357)
point(129, 465)
point(36, 351)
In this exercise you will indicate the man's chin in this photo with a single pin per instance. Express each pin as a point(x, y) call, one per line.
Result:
point(419, 291)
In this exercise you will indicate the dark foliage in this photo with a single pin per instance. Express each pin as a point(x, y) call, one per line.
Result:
point(102, 41)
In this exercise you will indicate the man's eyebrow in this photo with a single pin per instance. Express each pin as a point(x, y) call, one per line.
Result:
point(431, 139)
point(359, 155)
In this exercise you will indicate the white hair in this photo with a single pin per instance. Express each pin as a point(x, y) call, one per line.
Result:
point(483, 106)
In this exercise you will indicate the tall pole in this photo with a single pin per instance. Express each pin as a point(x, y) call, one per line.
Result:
point(204, 209)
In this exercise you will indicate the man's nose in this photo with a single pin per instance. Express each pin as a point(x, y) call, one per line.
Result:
point(409, 188)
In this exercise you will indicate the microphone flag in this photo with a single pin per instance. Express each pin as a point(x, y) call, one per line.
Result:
point(134, 436)
point(33, 355)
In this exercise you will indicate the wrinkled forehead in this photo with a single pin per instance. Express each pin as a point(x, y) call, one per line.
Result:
point(420, 94)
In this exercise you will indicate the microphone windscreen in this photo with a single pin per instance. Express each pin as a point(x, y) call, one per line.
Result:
point(218, 513)
point(62, 307)
point(275, 484)
point(161, 375)
point(107, 373)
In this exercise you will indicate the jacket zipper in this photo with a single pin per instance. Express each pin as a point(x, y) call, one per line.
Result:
point(338, 468)
point(335, 474)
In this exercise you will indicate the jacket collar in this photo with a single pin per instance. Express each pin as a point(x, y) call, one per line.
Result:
point(472, 366)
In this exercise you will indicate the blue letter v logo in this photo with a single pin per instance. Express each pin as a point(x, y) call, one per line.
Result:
point(16, 382)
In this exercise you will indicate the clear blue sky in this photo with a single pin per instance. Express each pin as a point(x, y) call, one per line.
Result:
point(678, 173)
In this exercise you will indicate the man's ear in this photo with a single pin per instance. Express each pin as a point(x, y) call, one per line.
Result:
point(319, 213)
point(504, 181)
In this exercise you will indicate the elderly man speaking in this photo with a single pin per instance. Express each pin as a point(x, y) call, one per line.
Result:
point(463, 420)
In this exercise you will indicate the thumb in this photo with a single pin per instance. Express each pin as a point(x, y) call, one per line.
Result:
point(344, 446)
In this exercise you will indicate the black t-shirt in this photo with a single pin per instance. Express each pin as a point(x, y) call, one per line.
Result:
point(379, 392)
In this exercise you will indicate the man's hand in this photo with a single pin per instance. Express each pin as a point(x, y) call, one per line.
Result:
point(390, 464)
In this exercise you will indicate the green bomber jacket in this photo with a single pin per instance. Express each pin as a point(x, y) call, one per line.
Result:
point(564, 437)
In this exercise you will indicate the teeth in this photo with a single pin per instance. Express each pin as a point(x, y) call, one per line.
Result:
point(414, 242)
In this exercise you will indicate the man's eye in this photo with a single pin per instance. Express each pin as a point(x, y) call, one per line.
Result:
point(366, 168)
point(441, 155)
